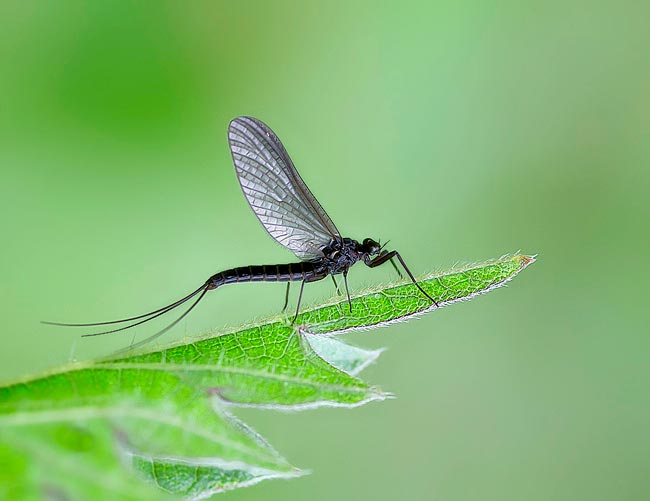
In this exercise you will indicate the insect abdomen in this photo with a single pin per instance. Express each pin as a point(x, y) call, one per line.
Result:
point(264, 273)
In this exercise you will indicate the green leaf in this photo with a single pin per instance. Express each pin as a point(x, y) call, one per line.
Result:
point(149, 423)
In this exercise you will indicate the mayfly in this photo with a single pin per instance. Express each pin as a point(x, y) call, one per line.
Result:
point(291, 215)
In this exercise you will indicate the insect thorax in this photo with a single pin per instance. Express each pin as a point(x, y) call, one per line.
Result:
point(339, 255)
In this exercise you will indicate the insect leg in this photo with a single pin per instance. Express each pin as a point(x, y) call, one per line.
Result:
point(345, 281)
point(310, 278)
point(286, 298)
point(302, 287)
point(336, 285)
point(388, 256)
point(392, 261)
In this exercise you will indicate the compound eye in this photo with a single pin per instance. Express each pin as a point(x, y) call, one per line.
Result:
point(371, 246)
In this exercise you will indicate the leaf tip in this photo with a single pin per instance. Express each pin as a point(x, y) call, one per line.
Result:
point(526, 260)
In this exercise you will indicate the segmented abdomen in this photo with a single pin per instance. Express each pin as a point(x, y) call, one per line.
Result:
point(265, 273)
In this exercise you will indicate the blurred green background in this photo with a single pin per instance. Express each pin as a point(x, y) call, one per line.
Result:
point(458, 130)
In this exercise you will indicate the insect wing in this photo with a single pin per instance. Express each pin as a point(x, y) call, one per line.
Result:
point(275, 191)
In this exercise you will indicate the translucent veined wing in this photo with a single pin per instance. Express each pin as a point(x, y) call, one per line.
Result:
point(276, 192)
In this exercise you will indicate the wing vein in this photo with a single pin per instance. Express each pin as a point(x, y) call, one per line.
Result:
point(275, 191)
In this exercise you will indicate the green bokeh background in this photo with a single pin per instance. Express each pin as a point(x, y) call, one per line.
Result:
point(458, 130)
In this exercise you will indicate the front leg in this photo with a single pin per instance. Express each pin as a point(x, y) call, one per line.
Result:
point(388, 256)
point(382, 258)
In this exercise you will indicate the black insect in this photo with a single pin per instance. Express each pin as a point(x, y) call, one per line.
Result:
point(291, 215)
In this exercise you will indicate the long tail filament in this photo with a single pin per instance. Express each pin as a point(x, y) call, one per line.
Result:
point(146, 317)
